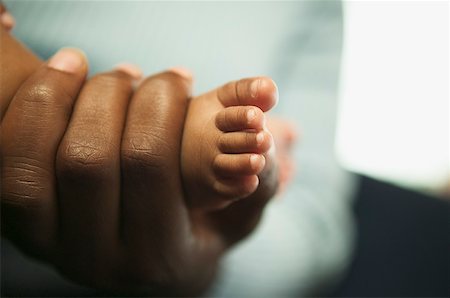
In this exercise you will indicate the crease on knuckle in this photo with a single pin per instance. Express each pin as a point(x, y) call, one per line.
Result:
point(82, 159)
point(23, 181)
point(39, 93)
point(146, 149)
point(22, 199)
point(46, 93)
point(22, 190)
point(43, 98)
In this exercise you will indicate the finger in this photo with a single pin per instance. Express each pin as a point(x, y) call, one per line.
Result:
point(30, 133)
point(17, 64)
point(153, 206)
point(88, 165)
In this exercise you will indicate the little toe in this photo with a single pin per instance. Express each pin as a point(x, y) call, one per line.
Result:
point(237, 187)
point(260, 91)
point(245, 142)
point(240, 118)
point(230, 165)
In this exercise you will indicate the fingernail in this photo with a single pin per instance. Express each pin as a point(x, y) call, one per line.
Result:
point(182, 71)
point(7, 20)
point(251, 114)
point(130, 69)
point(254, 88)
point(68, 60)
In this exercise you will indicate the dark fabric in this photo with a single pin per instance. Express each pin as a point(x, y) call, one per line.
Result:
point(403, 246)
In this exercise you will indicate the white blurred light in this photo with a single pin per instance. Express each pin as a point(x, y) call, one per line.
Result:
point(394, 114)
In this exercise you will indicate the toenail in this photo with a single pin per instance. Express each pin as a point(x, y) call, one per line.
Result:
point(259, 138)
point(254, 161)
point(251, 114)
point(254, 88)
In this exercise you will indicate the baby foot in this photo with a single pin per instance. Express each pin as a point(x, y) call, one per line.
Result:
point(224, 142)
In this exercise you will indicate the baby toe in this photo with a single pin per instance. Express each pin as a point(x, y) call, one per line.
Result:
point(260, 91)
point(245, 142)
point(230, 165)
point(238, 187)
point(240, 118)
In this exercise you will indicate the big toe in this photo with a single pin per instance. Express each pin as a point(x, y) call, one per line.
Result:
point(261, 92)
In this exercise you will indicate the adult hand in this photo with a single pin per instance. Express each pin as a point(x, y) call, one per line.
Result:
point(91, 183)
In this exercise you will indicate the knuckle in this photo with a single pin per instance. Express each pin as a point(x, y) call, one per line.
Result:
point(78, 159)
point(23, 182)
point(44, 93)
point(27, 197)
point(145, 150)
point(40, 93)
point(21, 191)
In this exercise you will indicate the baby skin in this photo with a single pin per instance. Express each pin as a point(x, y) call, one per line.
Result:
point(226, 144)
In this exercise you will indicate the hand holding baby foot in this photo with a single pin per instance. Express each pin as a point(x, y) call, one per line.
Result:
point(109, 216)
point(225, 142)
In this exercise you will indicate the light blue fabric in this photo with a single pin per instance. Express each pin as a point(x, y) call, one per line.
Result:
point(304, 241)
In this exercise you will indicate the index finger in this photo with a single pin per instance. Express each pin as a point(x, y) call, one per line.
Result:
point(30, 134)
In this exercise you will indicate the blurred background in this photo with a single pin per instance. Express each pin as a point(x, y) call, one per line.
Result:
point(394, 101)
